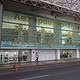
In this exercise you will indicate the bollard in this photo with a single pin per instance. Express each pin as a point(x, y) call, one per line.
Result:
point(15, 67)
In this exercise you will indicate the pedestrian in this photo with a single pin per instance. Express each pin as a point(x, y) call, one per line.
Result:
point(37, 57)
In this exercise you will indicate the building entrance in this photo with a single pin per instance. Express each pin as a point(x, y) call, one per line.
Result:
point(26, 56)
point(66, 54)
point(8, 57)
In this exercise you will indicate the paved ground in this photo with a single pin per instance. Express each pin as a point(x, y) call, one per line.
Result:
point(9, 68)
point(67, 71)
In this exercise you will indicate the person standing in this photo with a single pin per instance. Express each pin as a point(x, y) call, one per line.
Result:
point(1, 58)
point(37, 57)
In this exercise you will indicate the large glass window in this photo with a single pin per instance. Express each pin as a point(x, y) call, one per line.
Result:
point(70, 34)
point(8, 56)
point(20, 30)
point(49, 32)
point(15, 30)
point(66, 37)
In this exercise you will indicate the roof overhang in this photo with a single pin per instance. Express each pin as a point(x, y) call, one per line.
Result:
point(49, 7)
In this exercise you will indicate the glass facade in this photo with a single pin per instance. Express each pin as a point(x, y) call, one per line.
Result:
point(8, 56)
point(15, 56)
point(20, 30)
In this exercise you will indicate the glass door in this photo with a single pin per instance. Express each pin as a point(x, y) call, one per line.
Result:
point(26, 56)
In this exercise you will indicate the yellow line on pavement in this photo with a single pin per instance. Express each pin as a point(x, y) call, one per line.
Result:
point(6, 67)
point(27, 65)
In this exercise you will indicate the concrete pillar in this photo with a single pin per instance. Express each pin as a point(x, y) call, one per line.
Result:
point(58, 54)
point(20, 56)
point(77, 53)
point(1, 11)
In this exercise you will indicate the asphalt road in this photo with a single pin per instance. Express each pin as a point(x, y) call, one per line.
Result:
point(68, 71)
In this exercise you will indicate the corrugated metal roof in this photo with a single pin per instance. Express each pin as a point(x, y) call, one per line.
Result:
point(65, 7)
point(69, 4)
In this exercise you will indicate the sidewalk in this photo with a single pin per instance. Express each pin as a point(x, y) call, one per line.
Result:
point(10, 69)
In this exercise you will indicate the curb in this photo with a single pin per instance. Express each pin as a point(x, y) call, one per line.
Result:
point(40, 64)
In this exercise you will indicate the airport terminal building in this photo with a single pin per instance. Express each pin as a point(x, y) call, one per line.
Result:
point(29, 28)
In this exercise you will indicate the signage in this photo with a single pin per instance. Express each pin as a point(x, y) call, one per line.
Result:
point(15, 17)
point(44, 22)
